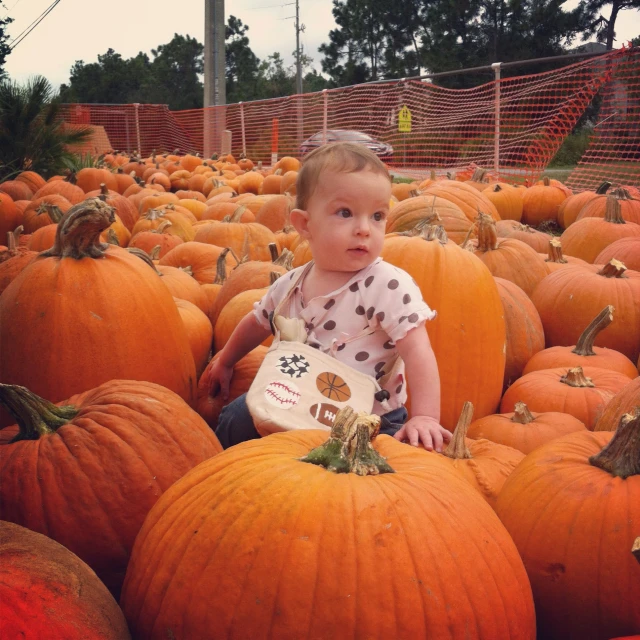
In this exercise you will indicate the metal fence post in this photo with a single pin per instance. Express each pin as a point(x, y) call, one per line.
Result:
point(325, 109)
point(136, 106)
point(496, 135)
point(244, 141)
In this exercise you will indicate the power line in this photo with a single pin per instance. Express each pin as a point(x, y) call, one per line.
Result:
point(18, 39)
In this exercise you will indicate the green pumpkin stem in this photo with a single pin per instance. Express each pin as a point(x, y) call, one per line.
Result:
point(584, 346)
point(78, 232)
point(457, 448)
point(621, 457)
point(349, 448)
point(35, 416)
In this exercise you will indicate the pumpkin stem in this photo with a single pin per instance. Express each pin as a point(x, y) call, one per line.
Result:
point(285, 259)
point(52, 210)
point(221, 267)
point(457, 448)
point(431, 233)
point(486, 233)
point(349, 448)
point(273, 276)
point(144, 256)
point(555, 252)
point(521, 414)
point(603, 188)
point(104, 192)
point(78, 233)
point(112, 238)
point(154, 254)
point(35, 416)
point(635, 549)
point(613, 210)
point(621, 457)
point(273, 250)
point(613, 269)
point(333, 455)
point(546, 181)
point(237, 214)
point(575, 378)
point(584, 346)
point(365, 460)
point(165, 224)
point(479, 175)
point(188, 270)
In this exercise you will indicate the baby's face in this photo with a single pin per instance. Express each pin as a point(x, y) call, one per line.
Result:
point(347, 219)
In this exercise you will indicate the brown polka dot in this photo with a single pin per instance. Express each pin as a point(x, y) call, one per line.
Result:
point(368, 281)
point(413, 317)
point(406, 298)
point(329, 304)
point(360, 310)
point(329, 325)
point(361, 356)
point(379, 375)
point(380, 316)
point(401, 319)
point(308, 326)
point(291, 276)
point(265, 314)
point(341, 347)
point(393, 284)
point(389, 344)
point(354, 287)
point(399, 388)
point(370, 312)
point(380, 365)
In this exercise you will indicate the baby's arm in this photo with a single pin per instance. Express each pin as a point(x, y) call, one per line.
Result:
point(245, 337)
point(421, 370)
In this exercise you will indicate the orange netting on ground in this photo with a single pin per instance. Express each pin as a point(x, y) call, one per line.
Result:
point(513, 126)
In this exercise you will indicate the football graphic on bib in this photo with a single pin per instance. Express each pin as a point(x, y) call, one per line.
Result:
point(324, 413)
point(332, 386)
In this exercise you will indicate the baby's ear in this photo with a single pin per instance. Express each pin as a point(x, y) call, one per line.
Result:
point(300, 220)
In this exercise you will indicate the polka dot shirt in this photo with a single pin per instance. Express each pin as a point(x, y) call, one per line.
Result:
point(381, 297)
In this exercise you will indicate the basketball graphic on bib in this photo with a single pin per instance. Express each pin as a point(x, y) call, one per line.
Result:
point(332, 386)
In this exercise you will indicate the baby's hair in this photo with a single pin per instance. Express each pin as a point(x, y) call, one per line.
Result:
point(338, 157)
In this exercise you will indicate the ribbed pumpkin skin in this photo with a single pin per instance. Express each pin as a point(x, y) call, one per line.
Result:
point(468, 335)
point(627, 250)
point(48, 592)
point(568, 299)
point(199, 331)
point(623, 402)
point(525, 437)
point(574, 526)
point(525, 335)
point(465, 197)
point(92, 320)
point(91, 484)
point(588, 237)
point(542, 391)
point(299, 552)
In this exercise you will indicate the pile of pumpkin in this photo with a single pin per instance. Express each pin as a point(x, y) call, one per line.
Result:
point(114, 285)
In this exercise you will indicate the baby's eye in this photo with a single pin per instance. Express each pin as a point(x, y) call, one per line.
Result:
point(379, 216)
point(344, 213)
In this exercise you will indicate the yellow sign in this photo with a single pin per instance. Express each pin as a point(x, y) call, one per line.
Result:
point(404, 120)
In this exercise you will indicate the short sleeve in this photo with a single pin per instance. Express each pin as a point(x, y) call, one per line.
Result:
point(276, 292)
point(394, 302)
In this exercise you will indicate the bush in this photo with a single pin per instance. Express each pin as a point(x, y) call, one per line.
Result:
point(572, 149)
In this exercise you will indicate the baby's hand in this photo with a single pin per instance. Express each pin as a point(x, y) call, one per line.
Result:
point(219, 379)
point(426, 430)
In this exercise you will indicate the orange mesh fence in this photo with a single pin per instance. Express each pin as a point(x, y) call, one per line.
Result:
point(513, 126)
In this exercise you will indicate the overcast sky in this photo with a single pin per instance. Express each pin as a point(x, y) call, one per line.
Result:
point(82, 29)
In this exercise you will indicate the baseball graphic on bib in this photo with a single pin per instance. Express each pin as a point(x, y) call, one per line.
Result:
point(282, 394)
point(332, 386)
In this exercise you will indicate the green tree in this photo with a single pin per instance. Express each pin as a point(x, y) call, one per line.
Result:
point(596, 23)
point(32, 134)
point(5, 50)
point(111, 80)
point(242, 65)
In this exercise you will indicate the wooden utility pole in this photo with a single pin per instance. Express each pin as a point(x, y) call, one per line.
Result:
point(214, 75)
point(299, 28)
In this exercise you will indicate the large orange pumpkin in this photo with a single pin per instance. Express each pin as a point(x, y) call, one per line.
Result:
point(507, 200)
point(107, 308)
point(626, 250)
point(524, 430)
point(86, 472)
point(570, 208)
point(584, 353)
point(568, 299)
point(269, 531)
point(629, 206)
point(623, 402)
point(470, 200)
point(573, 509)
point(48, 592)
point(541, 201)
point(581, 392)
point(468, 336)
